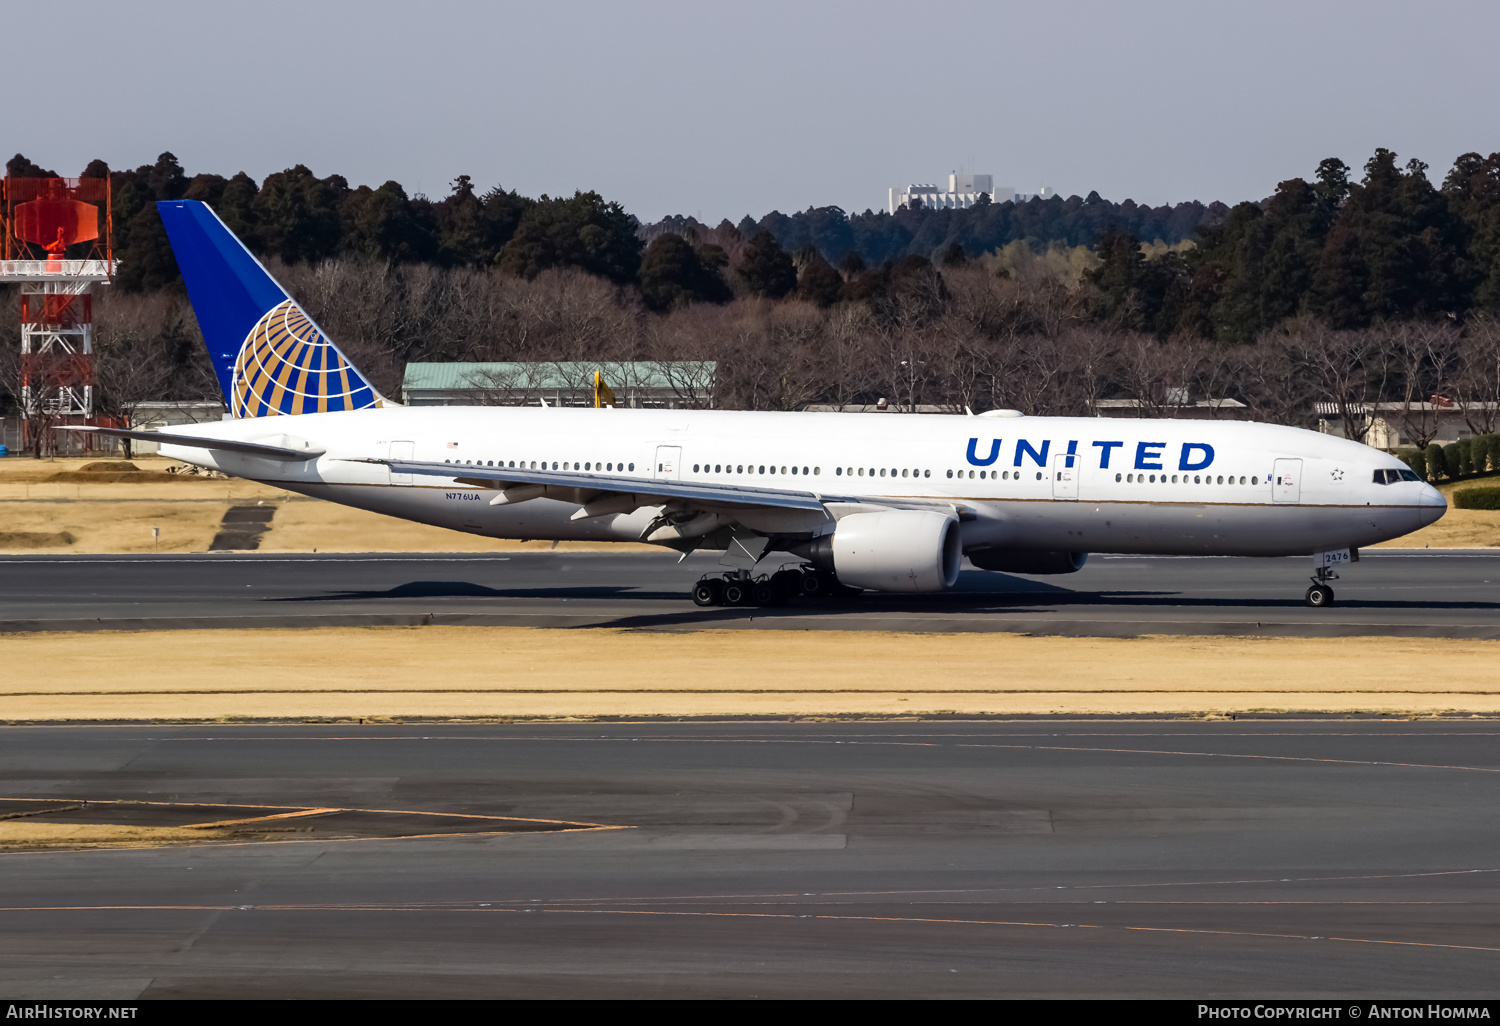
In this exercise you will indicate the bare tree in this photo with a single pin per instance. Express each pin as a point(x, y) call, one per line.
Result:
point(1348, 367)
point(1476, 385)
point(1422, 357)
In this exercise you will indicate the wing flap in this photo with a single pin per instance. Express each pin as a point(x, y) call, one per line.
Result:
point(644, 487)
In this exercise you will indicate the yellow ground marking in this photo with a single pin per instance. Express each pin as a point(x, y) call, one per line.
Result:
point(516, 672)
point(15, 835)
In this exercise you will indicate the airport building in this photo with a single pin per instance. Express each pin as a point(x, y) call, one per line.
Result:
point(962, 192)
point(648, 385)
point(1399, 425)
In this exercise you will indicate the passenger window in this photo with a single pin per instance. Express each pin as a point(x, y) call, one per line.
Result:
point(816, 471)
point(1197, 479)
point(1174, 478)
point(1038, 475)
point(861, 471)
point(1255, 480)
point(925, 473)
point(632, 466)
point(1117, 477)
point(882, 472)
point(1129, 478)
point(794, 470)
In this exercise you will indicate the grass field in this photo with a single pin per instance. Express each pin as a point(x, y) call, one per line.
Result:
point(500, 673)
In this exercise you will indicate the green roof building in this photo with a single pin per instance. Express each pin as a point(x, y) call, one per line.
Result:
point(660, 385)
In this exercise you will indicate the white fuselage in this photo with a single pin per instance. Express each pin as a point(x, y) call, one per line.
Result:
point(1025, 483)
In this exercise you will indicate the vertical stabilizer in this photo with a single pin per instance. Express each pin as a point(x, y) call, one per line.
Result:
point(270, 357)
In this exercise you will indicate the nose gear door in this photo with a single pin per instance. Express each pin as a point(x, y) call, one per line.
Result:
point(1286, 479)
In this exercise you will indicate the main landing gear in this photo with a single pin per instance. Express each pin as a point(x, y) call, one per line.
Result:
point(1320, 594)
point(739, 588)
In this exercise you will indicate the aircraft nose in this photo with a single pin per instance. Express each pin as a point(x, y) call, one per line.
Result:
point(1431, 506)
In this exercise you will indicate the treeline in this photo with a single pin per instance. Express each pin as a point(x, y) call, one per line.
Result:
point(877, 238)
point(1389, 247)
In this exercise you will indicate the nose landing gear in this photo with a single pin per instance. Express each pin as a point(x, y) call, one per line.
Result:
point(1320, 594)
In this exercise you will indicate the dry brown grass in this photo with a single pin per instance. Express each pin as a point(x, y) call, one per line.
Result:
point(507, 672)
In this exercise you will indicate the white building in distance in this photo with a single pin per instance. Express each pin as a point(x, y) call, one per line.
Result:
point(963, 192)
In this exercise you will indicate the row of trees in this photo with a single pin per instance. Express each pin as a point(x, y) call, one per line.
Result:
point(951, 338)
point(1388, 247)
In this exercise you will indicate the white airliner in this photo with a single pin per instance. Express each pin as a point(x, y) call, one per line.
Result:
point(868, 501)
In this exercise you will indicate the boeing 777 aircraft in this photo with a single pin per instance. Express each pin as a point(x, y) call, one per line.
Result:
point(867, 501)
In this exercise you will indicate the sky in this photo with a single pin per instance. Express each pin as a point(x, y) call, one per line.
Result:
point(724, 109)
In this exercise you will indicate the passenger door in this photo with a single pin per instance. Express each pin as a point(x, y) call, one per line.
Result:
point(402, 451)
point(1286, 481)
point(1064, 476)
point(668, 463)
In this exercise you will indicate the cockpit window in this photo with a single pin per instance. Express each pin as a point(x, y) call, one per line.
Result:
point(1380, 477)
point(1408, 475)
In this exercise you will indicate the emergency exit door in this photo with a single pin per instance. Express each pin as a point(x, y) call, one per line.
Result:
point(668, 463)
point(1065, 476)
point(1286, 481)
point(401, 451)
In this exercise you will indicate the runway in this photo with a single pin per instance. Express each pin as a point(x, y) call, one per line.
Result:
point(1332, 858)
point(1419, 593)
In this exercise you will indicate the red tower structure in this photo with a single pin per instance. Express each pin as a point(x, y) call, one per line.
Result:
point(58, 245)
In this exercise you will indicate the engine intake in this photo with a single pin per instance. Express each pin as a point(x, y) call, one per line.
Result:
point(896, 550)
point(1010, 561)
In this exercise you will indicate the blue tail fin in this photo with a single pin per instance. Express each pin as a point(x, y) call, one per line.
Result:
point(270, 357)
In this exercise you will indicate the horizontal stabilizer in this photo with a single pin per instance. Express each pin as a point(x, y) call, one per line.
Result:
point(265, 452)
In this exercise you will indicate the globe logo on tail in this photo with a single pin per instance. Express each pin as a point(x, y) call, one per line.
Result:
point(287, 366)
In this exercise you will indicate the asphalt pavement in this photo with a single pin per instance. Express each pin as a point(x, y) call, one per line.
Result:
point(1419, 593)
point(1282, 858)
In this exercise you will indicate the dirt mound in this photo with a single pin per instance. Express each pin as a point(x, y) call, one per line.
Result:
point(35, 539)
point(109, 473)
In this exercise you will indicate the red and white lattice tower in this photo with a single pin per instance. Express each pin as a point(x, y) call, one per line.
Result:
point(58, 245)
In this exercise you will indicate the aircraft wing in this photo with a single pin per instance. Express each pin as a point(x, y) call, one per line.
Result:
point(644, 487)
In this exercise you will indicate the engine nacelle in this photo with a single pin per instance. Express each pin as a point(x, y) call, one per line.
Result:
point(897, 550)
point(1011, 561)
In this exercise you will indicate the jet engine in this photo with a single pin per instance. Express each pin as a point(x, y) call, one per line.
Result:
point(891, 550)
point(1010, 561)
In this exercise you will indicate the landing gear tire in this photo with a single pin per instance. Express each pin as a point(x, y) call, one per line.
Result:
point(816, 584)
point(1319, 595)
point(764, 593)
point(736, 593)
point(708, 593)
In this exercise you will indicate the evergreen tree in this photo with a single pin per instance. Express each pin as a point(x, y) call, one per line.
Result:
point(299, 214)
point(674, 274)
point(383, 224)
point(765, 267)
point(818, 282)
point(583, 231)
